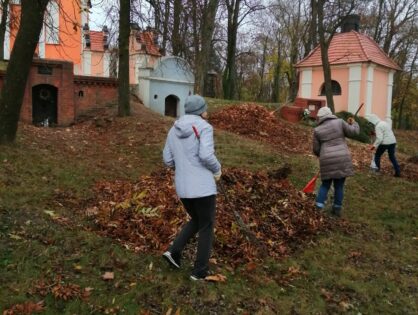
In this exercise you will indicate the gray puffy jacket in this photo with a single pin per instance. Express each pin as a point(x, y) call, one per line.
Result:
point(330, 145)
point(192, 158)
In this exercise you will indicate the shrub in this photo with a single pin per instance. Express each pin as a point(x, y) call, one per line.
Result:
point(366, 128)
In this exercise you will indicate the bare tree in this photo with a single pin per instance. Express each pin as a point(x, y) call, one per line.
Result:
point(27, 38)
point(235, 16)
point(327, 26)
point(124, 108)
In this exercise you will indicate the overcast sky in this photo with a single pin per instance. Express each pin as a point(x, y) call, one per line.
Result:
point(97, 15)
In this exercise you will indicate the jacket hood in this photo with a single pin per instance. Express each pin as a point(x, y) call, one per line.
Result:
point(184, 126)
point(323, 118)
point(373, 119)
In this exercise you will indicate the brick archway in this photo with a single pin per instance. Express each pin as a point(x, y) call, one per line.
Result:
point(44, 105)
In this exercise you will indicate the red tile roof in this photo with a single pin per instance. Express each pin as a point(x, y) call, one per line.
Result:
point(147, 38)
point(96, 41)
point(350, 47)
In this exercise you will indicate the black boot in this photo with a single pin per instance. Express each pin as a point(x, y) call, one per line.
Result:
point(336, 211)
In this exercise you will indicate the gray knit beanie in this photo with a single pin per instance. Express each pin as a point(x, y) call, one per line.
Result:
point(324, 111)
point(195, 105)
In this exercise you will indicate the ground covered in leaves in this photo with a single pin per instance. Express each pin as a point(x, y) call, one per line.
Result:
point(257, 122)
point(66, 195)
point(146, 215)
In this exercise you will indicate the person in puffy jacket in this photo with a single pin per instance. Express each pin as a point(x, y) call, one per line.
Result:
point(385, 140)
point(334, 157)
point(189, 150)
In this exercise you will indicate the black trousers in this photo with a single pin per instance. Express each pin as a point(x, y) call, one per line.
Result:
point(391, 152)
point(202, 213)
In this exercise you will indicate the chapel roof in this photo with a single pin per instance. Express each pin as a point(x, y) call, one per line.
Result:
point(350, 47)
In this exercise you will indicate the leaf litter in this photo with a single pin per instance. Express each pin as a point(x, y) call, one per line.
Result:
point(258, 123)
point(146, 215)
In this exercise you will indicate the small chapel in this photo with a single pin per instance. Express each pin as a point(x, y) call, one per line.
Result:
point(361, 73)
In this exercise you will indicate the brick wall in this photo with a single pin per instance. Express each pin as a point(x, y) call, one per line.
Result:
point(93, 92)
point(76, 94)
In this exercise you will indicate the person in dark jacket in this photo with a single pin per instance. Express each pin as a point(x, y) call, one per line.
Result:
point(189, 149)
point(334, 157)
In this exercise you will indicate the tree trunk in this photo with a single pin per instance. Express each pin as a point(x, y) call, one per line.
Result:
point(408, 84)
point(165, 26)
point(176, 38)
point(313, 29)
point(3, 26)
point(262, 69)
point(277, 72)
point(324, 43)
point(206, 33)
point(17, 72)
point(124, 108)
point(230, 75)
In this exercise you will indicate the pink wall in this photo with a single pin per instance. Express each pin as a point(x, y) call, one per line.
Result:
point(97, 60)
point(380, 92)
point(340, 75)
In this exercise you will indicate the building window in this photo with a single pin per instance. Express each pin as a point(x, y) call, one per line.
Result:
point(80, 93)
point(336, 88)
point(155, 96)
point(52, 18)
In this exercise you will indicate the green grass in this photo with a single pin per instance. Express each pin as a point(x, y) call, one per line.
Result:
point(370, 267)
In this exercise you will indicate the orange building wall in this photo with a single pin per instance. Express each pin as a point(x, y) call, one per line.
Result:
point(70, 34)
point(380, 92)
point(15, 11)
point(70, 46)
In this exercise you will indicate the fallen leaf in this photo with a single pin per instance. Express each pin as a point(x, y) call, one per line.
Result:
point(251, 266)
point(50, 213)
point(108, 275)
point(216, 278)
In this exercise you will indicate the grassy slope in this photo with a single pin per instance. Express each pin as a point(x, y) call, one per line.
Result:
point(371, 268)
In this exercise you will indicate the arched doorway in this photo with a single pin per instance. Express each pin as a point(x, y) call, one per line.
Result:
point(44, 105)
point(171, 102)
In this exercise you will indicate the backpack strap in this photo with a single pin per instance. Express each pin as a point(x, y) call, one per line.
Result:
point(196, 132)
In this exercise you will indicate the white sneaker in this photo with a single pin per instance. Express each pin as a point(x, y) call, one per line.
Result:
point(171, 260)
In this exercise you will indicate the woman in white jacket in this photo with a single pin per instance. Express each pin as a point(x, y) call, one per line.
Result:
point(385, 140)
point(189, 149)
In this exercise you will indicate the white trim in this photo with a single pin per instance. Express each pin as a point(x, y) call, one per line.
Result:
point(52, 23)
point(369, 88)
point(42, 43)
point(106, 64)
point(6, 44)
point(306, 84)
point(165, 80)
point(354, 86)
point(87, 62)
point(389, 98)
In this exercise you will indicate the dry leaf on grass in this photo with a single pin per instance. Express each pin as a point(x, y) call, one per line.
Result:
point(108, 275)
point(26, 308)
point(216, 278)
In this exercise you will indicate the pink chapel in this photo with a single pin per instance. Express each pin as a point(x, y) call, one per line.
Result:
point(361, 72)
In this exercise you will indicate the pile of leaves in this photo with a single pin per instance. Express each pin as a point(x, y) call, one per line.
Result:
point(146, 215)
point(258, 123)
